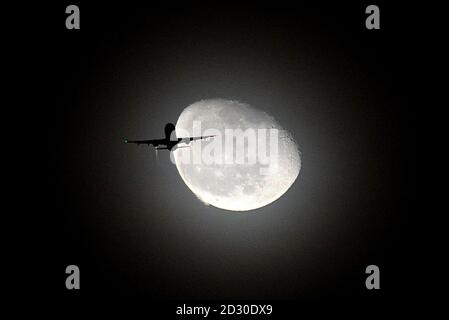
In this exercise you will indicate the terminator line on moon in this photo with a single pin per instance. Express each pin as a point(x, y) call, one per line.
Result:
point(230, 186)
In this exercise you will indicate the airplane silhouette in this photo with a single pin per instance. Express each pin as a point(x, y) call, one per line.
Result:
point(167, 143)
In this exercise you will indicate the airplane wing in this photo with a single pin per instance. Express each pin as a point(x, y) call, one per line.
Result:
point(188, 139)
point(155, 142)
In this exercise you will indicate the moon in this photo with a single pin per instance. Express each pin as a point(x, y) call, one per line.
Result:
point(230, 185)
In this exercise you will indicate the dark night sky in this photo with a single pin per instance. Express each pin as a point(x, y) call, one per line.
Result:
point(130, 222)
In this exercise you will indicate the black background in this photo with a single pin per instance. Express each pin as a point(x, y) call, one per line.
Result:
point(79, 215)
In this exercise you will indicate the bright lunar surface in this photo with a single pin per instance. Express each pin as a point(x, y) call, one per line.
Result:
point(227, 184)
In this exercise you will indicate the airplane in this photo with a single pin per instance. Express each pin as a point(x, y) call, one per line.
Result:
point(167, 143)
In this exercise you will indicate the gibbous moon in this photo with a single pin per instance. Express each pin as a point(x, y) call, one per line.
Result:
point(234, 186)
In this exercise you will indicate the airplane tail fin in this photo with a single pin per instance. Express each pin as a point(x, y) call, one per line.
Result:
point(169, 128)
